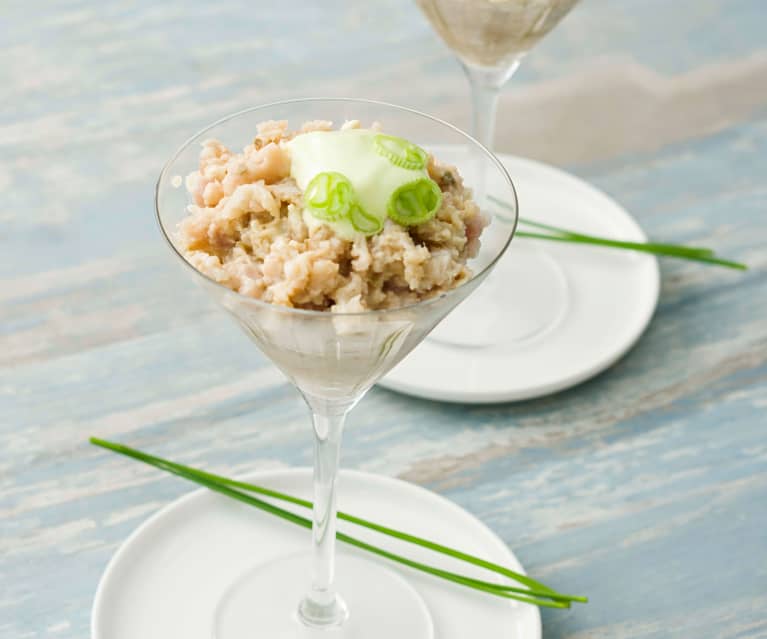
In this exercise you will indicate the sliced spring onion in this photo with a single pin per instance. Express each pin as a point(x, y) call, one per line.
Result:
point(400, 152)
point(415, 202)
point(363, 221)
point(329, 196)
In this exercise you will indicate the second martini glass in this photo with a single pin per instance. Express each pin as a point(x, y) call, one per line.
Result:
point(490, 38)
point(333, 359)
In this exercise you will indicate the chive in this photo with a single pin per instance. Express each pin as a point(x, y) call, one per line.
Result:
point(693, 253)
point(644, 248)
point(536, 593)
point(689, 250)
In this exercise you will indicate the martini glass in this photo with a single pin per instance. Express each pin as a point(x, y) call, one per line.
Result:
point(490, 38)
point(333, 359)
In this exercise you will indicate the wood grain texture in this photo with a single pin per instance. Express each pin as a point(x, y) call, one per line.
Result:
point(645, 488)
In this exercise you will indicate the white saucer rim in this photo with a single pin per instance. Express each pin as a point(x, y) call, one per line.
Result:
point(283, 473)
point(502, 397)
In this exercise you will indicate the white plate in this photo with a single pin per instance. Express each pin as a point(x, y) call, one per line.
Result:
point(585, 306)
point(168, 576)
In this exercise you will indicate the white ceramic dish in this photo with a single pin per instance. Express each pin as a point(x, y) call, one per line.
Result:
point(552, 314)
point(167, 578)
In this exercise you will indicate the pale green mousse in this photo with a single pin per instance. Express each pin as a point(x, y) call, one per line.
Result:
point(353, 180)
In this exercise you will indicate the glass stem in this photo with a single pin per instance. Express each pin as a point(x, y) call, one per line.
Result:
point(486, 86)
point(322, 607)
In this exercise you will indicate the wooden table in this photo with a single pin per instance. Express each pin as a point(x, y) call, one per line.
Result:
point(645, 488)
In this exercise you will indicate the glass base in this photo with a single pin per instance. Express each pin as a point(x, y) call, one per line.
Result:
point(524, 297)
point(264, 603)
point(332, 611)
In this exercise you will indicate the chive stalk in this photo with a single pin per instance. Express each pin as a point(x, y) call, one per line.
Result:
point(558, 234)
point(534, 592)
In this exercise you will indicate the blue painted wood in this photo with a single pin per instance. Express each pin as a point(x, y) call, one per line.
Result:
point(645, 488)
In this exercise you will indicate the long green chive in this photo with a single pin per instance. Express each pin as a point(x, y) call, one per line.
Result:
point(693, 253)
point(535, 593)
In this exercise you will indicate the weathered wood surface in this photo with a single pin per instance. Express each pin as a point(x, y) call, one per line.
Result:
point(645, 488)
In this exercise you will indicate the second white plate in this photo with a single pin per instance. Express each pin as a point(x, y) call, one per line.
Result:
point(593, 303)
point(168, 577)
